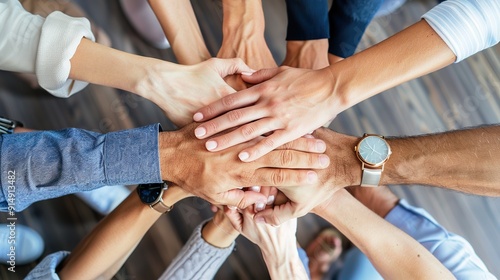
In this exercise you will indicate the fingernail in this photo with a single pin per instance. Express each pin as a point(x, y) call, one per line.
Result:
point(211, 145)
point(270, 200)
point(259, 220)
point(247, 73)
point(324, 160)
point(320, 146)
point(231, 207)
point(200, 131)
point(255, 188)
point(198, 117)
point(259, 206)
point(312, 177)
point(244, 156)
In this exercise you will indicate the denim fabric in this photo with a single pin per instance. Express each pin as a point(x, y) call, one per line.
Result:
point(305, 260)
point(348, 21)
point(50, 164)
point(307, 20)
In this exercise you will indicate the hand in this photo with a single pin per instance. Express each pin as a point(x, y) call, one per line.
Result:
point(243, 37)
point(311, 54)
point(217, 177)
point(278, 244)
point(181, 90)
point(291, 103)
point(344, 170)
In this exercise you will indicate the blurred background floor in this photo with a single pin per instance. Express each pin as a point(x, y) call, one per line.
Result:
point(462, 95)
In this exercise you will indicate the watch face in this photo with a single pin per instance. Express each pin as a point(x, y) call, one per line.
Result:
point(149, 193)
point(374, 150)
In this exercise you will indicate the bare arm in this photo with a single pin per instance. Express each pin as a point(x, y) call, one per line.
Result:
point(393, 253)
point(107, 247)
point(181, 28)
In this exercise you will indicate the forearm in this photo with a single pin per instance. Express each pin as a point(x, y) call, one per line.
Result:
point(181, 28)
point(200, 254)
point(284, 263)
point(409, 54)
point(393, 253)
point(98, 64)
point(44, 169)
point(219, 232)
point(105, 249)
point(463, 160)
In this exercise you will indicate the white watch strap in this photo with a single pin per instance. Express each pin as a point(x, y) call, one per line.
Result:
point(370, 177)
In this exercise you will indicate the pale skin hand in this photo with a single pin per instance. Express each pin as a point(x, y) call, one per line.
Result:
point(278, 244)
point(182, 155)
point(179, 90)
point(307, 99)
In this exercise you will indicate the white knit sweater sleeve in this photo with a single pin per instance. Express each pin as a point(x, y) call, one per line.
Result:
point(466, 26)
point(32, 44)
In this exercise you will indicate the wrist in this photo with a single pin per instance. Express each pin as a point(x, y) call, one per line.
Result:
point(244, 17)
point(168, 142)
point(146, 73)
point(218, 234)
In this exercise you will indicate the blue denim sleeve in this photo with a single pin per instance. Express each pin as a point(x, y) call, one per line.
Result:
point(42, 165)
point(307, 20)
point(348, 21)
point(452, 250)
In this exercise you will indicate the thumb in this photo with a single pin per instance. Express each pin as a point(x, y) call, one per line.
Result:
point(275, 216)
point(226, 67)
point(261, 75)
point(242, 199)
point(234, 218)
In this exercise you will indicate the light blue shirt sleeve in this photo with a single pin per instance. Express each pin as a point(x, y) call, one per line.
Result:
point(453, 251)
point(47, 164)
point(46, 269)
point(466, 26)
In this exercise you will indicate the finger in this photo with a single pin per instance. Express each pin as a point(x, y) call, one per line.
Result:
point(305, 144)
point(285, 177)
point(294, 159)
point(242, 134)
point(230, 66)
point(234, 218)
point(271, 197)
point(242, 199)
point(275, 216)
point(280, 198)
point(227, 103)
point(262, 75)
point(269, 143)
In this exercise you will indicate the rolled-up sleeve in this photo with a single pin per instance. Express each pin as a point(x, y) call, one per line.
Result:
point(32, 44)
point(46, 269)
point(466, 26)
point(42, 165)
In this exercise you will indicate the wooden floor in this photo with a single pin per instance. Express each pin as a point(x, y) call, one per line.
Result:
point(465, 94)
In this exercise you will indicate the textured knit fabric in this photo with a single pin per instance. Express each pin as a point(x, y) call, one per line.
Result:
point(466, 26)
point(307, 20)
point(197, 259)
point(348, 22)
point(32, 44)
point(50, 164)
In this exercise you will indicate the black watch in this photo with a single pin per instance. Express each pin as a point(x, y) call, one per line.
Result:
point(151, 194)
point(7, 126)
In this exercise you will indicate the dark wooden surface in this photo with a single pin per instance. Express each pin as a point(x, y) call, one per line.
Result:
point(461, 95)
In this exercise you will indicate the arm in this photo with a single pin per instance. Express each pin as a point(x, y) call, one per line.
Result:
point(307, 34)
point(324, 93)
point(106, 248)
point(32, 44)
point(181, 28)
point(207, 249)
point(278, 244)
point(386, 246)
